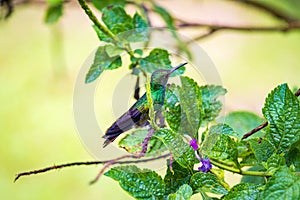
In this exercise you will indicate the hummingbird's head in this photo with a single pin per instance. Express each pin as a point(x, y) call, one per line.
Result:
point(160, 77)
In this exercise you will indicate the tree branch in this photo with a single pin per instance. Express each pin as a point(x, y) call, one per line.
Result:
point(214, 28)
point(39, 171)
point(200, 37)
point(283, 28)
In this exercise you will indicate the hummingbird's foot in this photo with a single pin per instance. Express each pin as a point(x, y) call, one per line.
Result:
point(171, 164)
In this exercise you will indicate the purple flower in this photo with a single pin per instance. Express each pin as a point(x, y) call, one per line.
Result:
point(206, 165)
point(193, 144)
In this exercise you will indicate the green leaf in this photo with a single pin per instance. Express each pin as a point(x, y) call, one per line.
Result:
point(243, 122)
point(54, 12)
point(282, 110)
point(284, 184)
point(222, 129)
point(132, 143)
point(243, 191)
point(139, 52)
point(139, 22)
point(176, 177)
point(210, 104)
point(183, 193)
point(54, 1)
point(100, 4)
point(140, 31)
point(220, 175)
point(262, 149)
point(274, 163)
point(102, 62)
point(190, 102)
point(181, 151)
point(172, 111)
point(165, 15)
point(183, 115)
point(102, 36)
point(157, 59)
point(248, 158)
point(141, 184)
point(219, 146)
point(116, 19)
point(113, 50)
point(206, 182)
point(244, 149)
point(293, 157)
point(126, 28)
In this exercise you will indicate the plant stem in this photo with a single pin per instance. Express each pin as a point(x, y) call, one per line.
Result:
point(39, 171)
point(255, 130)
point(101, 27)
point(94, 19)
point(238, 171)
point(150, 104)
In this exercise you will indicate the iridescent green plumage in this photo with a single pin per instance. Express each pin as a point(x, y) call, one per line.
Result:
point(137, 115)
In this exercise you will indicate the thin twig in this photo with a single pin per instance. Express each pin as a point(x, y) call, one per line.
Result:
point(255, 130)
point(115, 161)
point(146, 12)
point(248, 28)
point(264, 124)
point(28, 173)
point(214, 28)
point(205, 35)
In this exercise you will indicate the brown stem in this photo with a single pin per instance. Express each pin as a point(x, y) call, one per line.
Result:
point(255, 130)
point(205, 35)
point(264, 124)
point(297, 94)
point(214, 28)
point(85, 164)
point(284, 28)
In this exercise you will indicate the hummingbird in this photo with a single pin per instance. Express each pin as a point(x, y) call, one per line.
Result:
point(138, 114)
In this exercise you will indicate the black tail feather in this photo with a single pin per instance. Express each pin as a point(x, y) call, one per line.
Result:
point(110, 138)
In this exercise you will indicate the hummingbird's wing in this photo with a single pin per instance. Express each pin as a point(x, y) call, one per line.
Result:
point(137, 115)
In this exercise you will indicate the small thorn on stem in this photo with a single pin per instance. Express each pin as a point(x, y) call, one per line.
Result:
point(115, 161)
point(255, 130)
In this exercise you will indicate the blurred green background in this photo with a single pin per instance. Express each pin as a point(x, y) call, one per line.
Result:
point(37, 126)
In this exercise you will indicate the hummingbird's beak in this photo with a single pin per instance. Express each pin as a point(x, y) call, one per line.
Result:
point(177, 67)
